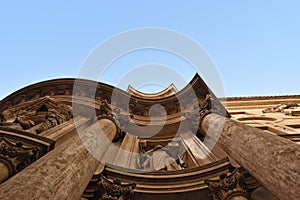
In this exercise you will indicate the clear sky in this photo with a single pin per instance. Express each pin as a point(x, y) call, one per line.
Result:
point(255, 45)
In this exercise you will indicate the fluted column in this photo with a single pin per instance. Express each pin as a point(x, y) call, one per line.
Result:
point(64, 172)
point(272, 160)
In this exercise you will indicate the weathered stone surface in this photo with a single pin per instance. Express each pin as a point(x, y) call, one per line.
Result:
point(4, 172)
point(262, 193)
point(272, 160)
point(61, 174)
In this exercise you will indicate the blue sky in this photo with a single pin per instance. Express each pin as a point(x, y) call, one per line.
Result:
point(255, 45)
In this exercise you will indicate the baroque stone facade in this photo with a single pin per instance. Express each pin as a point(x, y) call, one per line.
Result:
point(206, 148)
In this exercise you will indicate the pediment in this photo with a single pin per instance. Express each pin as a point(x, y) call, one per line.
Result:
point(36, 116)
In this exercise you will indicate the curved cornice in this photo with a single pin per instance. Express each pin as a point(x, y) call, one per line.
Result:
point(171, 181)
point(90, 93)
point(248, 98)
point(169, 91)
point(64, 86)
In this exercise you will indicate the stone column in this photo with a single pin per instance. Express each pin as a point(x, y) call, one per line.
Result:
point(64, 172)
point(262, 193)
point(272, 160)
point(4, 172)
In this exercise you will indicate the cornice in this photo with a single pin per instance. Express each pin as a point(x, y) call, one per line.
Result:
point(90, 94)
point(171, 181)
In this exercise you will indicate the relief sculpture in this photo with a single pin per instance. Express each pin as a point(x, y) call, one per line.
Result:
point(36, 117)
point(16, 156)
point(288, 108)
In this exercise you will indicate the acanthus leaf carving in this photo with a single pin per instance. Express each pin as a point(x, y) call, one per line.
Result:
point(114, 190)
point(17, 154)
point(105, 109)
point(208, 105)
point(228, 186)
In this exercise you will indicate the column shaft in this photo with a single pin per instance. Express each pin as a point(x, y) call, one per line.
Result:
point(272, 160)
point(61, 174)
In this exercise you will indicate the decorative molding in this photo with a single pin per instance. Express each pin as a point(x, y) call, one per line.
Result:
point(288, 108)
point(247, 98)
point(63, 89)
point(169, 182)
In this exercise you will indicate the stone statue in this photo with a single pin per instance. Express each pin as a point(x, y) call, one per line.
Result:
point(21, 121)
point(158, 159)
point(105, 108)
point(20, 118)
point(55, 117)
point(281, 107)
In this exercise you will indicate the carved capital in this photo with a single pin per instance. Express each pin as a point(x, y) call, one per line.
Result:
point(105, 109)
point(16, 156)
point(105, 189)
point(208, 105)
point(228, 186)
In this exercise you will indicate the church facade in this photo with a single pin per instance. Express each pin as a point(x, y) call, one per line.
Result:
point(78, 139)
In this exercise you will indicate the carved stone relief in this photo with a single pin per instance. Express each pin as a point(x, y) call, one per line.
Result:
point(288, 108)
point(55, 117)
point(105, 109)
point(15, 156)
point(159, 158)
point(36, 116)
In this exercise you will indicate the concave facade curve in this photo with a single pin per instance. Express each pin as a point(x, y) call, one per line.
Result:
point(39, 138)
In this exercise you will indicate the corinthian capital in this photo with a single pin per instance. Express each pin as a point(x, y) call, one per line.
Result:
point(228, 187)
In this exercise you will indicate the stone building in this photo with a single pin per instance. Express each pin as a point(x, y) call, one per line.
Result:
point(78, 139)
